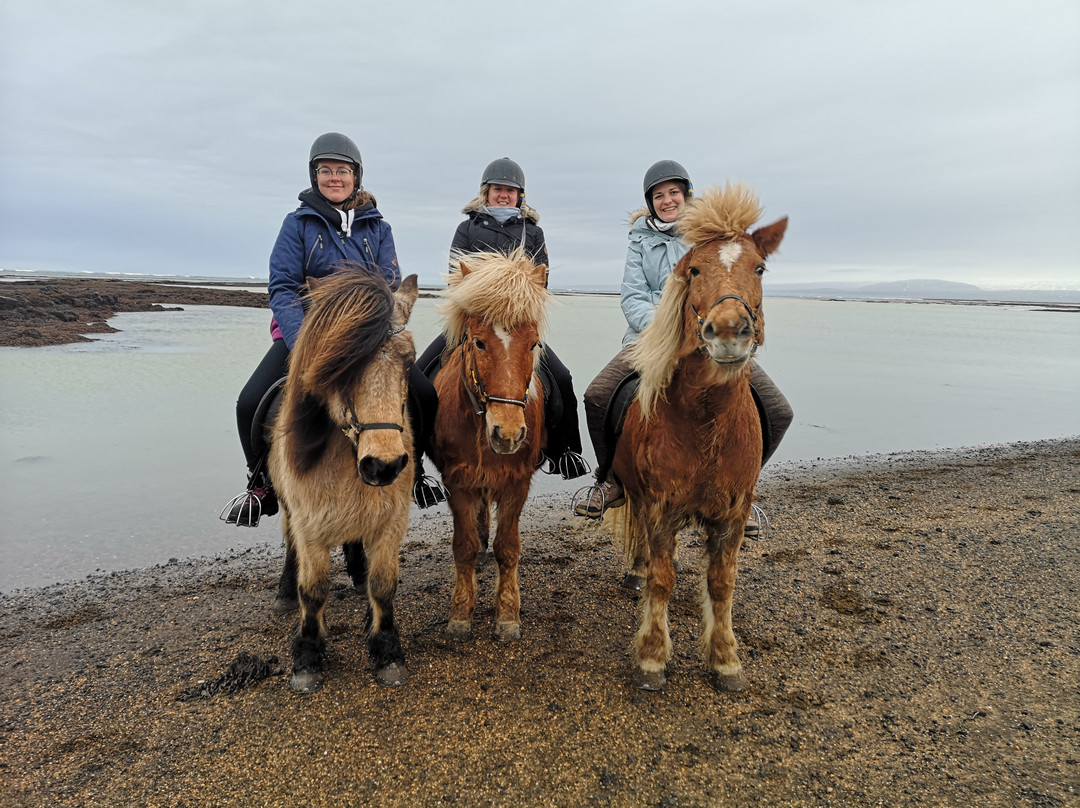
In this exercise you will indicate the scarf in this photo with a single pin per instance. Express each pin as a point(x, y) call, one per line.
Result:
point(345, 218)
point(660, 227)
point(502, 215)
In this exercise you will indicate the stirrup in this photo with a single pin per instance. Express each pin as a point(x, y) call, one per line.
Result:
point(235, 512)
point(569, 466)
point(585, 501)
point(762, 524)
point(428, 491)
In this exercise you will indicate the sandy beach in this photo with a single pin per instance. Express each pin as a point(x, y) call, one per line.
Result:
point(908, 628)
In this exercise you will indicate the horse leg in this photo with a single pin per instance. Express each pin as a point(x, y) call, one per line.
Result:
point(483, 524)
point(717, 637)
point(652, 644)
point(384, 641)
point(286, 602)
point(507, 552)
point(634, 580)
point(309, 643)
point(356, 564)
point(465, 505)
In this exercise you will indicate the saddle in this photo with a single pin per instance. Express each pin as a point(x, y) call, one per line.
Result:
point(623, 397)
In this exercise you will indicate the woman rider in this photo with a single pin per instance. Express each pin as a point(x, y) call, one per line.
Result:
point(655, 248)
point(337, 221)
point(498, 220)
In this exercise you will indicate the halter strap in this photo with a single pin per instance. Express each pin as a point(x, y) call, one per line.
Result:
point(353, 430)
point(754, 314)
point(478, 395)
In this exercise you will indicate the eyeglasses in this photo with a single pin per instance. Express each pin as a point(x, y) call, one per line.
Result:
point(342, 173)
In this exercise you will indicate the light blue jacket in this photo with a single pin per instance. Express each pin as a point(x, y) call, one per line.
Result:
point(650, 258)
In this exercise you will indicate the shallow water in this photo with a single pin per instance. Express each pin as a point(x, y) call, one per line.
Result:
point(121, 452)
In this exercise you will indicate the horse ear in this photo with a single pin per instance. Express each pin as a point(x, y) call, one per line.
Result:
point(406, 294)
point(464, 268)
point(542, 273)
point(768, 238)
point(314, 282)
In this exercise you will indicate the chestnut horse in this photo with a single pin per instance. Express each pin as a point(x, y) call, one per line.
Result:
point(339, 458)
point(690, 451)
point(489, 426)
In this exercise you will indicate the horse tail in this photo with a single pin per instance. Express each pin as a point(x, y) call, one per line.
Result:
point(624, 528)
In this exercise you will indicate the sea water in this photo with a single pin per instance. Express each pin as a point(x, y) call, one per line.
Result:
point(119, 453)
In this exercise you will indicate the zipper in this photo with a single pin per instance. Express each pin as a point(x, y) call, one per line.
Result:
point(367, 247)
point(316, 246)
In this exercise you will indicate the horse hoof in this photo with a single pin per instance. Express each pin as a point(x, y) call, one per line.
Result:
point(306, 681)
point(392, 675)
point(285, 605)
point(507, 632)
point(649, 680)
point(459, 630)
point(730, 683)
point(633, 582)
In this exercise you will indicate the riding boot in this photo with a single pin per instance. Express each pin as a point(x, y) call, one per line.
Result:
point(257, 501)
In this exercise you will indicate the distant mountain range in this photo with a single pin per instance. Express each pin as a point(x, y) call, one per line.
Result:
point(922, 289)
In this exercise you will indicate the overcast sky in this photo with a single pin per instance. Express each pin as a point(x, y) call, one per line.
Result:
point(905, 139)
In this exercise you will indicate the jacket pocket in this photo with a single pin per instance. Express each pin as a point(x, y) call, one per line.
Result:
point(318, 245)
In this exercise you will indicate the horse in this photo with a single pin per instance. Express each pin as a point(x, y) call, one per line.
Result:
point(489, 429)
point(690, 451)
point(339, 459)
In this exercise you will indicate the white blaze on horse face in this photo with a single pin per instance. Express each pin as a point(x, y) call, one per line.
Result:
point(729, 253)
point(503, 335)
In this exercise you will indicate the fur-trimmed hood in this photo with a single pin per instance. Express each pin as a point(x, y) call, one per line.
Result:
point(477, 206)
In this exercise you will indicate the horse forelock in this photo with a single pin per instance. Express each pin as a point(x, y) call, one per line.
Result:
point(502, 290)
point(348, 321)
point(725, 213)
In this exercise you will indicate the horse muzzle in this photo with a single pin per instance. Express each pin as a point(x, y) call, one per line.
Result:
point(505, 439)
point(379, 472)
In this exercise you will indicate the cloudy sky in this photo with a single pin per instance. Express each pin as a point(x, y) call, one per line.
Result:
point(904, 140)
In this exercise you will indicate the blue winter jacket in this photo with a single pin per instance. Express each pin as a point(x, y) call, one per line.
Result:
point(650, 258)
point(309, 246)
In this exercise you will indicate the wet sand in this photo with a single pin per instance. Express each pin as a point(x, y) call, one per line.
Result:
point(908, 627)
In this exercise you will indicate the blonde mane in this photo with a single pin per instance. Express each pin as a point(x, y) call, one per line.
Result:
point(717, 214)
point(726, 213)
point(500, 289)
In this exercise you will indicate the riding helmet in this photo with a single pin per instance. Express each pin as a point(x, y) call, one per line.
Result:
point(335, 146)
point(504, 171)
point(666, 171)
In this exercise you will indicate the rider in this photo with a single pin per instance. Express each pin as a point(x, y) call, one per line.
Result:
point(337, 221)
point(498, 220)
point(655, 248)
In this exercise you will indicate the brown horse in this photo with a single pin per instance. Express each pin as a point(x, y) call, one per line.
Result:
point(690, 451)
point(489, 426)
point(339, 458)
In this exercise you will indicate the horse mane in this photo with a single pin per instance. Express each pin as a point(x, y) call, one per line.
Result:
point(717, 214)
point(347, 321)
point(726, 213)
point(500, 289)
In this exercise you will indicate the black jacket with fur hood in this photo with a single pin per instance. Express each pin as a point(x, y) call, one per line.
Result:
point(481, 233)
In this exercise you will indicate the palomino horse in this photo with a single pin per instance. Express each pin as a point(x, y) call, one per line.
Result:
point(339, 458)
point(489, 427)
point(690, 451)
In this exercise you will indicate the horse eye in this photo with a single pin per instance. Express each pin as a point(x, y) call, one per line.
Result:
point(694, 272)
point(760, 270)
point(479, 343)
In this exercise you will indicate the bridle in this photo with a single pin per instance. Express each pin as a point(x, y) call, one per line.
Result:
point(477, 393)
point(754, 315)
point(354, 428)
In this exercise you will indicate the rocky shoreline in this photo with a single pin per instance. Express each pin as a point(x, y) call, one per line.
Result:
point(908, 628)
point(57, 311)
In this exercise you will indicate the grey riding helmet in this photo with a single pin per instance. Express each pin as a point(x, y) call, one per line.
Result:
point(666, 171)
point(505, 171)
point(335, 146)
